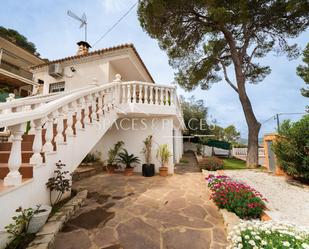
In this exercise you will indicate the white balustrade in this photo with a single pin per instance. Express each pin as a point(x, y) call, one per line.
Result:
point(86, 110)
point(134, 93)
point(146, 94)
point(15, 160)
point(151, 95)
point(59, 137)
point(69, 129)
point(36, 159)
point(78, 123)
point(49, 134)
point(94, 109)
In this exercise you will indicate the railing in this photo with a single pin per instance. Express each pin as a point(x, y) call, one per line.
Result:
point(5, 57)
point(85, 106)
point(242, 152)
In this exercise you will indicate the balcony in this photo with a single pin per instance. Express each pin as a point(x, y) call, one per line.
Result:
point(15, 65)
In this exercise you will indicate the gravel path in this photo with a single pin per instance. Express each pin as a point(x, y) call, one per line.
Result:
point(286, 202)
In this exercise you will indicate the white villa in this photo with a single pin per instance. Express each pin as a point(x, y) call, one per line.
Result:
point(84, 103)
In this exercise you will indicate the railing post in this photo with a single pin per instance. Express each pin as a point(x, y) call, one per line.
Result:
point(86, 111)
point(146, 94)
point(166, 96)
point(123, 94)
point(134, 93)
point(49, 134)
point(161, 96)
point(14, 177)
point(151, 95)
point(36, 159)
point(156, 96)
point(69, 130)
point(78, 124)
point(129, 93)
point(59, 137)
point(94, 108)
point(100, 105)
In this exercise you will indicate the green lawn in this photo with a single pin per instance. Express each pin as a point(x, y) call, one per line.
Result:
point(233, 163)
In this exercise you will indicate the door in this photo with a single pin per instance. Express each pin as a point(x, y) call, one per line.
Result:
point(271, 157)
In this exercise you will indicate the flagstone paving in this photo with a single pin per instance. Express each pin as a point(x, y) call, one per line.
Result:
point(144, 213)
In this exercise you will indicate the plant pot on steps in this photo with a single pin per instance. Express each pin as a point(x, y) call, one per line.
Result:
point(163, 171)
point(128, 171)
point(148, 170)
point(38, 220)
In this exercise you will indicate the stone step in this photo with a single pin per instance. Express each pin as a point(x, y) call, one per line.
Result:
point(6, 146)
point(83, 172)
point(25, 156)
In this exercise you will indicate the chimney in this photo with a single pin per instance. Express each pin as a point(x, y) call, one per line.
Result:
point(83, 48)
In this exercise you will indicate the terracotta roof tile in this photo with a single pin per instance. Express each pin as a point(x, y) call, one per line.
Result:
point(97, 52)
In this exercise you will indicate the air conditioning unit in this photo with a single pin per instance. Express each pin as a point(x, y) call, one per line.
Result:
point(55, 70)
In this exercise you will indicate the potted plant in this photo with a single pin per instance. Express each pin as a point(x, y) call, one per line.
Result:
point(112, 157)
point(127, 159)
point(163, 155)
point(148, 168)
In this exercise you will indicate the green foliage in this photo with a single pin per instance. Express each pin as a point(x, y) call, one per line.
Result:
point(292, 148)
point(92, 158)
point(147, 148)
point(194, 114)
point(15, 37)
point(303, 71)
point(231, 134)
point(211, 163)
point(218, 33)
point(127, 159)
point(163, 154)
point(18, 229)
point(113, 152)
point(60, 182)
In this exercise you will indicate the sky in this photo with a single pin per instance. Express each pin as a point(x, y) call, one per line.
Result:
point(46, 24)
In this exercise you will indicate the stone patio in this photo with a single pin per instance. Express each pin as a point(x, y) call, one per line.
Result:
point(144, 213)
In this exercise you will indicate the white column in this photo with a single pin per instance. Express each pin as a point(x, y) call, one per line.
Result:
point(123, 94)
point(151, 95)
point(36, 159)
point(49, 134)
point(86, 111)
point(78, 124)
point(129, 93)
point(69, 130)
point(156, 96)
point(134, 93)
point(14, 177)
point(94, 109)
point(59, 137)
point(146, 94)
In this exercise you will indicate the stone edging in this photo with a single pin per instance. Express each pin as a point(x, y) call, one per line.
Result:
point(46, 236)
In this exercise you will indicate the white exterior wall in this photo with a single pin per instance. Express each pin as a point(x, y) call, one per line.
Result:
point(134, 132)
point(85, 74)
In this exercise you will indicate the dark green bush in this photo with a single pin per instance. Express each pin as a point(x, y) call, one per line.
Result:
point(292, 148)
point(211, 163)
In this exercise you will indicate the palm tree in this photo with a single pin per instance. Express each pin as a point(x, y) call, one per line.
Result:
point(127, 159)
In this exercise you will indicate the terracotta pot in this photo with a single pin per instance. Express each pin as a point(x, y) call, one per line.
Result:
point(128, 171)
point(110, 170)
point(163, 171)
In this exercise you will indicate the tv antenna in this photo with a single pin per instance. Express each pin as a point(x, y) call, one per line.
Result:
point(83, 21)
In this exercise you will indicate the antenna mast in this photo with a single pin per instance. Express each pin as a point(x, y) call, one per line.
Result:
point(82, 20)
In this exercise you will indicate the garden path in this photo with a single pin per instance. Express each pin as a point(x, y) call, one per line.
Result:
point(145, 213)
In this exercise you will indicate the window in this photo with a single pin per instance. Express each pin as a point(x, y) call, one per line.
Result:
point(56, 87)
point(41, 82)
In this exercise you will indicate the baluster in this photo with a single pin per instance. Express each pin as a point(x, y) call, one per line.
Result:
point(49, 134)
point(123, 94)
point(134, 93)
point(78, 124)
point(161, 96)
point(140, 98)
point(172, 96)
point(128, 93)
point(112, 96)
point(15, 160)
point(166, 97)
point(59, 137)
point(86, 111)
point(146, 94)
point(156, 96)
point(100, 104)
point(69, 130)
point(36, 158)
point(94, 109)
point(151, 95)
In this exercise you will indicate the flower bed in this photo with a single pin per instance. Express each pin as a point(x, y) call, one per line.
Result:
point(236, 197)
point(268, 235)
point(211, 163)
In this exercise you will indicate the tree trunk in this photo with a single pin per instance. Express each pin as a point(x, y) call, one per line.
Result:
point(254, 126)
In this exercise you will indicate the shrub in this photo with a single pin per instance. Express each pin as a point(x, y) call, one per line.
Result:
point(92, 158)
point(60, 182)
point(211, 163)
point(236, 197)
point(268, 235)
point(292, 148)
